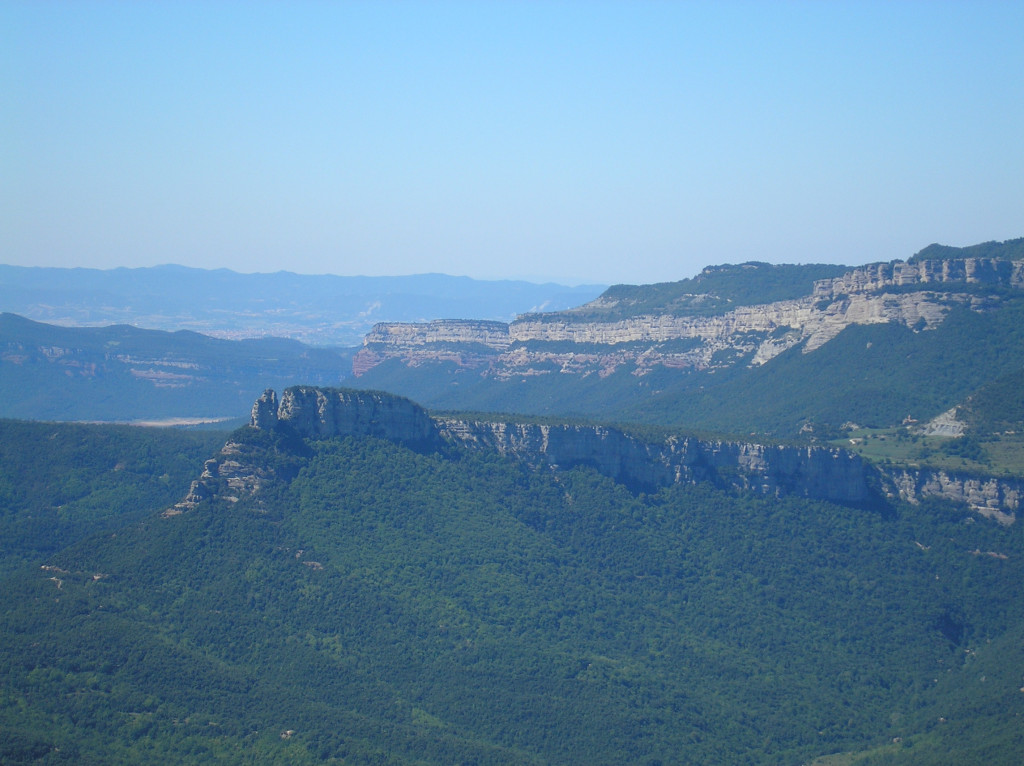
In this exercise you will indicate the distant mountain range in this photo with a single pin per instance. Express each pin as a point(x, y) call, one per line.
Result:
point(323, 310)
point(123, 373)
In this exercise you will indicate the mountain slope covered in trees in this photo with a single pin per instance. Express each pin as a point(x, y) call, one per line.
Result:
point(123, 373)
point(60, 483)
point(392, 605)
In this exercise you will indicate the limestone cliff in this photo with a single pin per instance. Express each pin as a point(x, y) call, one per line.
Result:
point(487, 333)
point(918, 295)
point(323, 413)
point(878, 276)
point(466, 343)
point(994, 497)
point(816, 472)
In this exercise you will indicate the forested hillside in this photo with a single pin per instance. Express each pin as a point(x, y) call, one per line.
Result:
point(875, 375)
point(60, 483)
point(123, 373)
point(388, 605)
point(356, 580)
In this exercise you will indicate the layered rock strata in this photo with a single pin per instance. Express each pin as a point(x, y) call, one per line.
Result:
point(813, 472)
point(488, 333)
point(539, 344)
point(878, 276)
point(994, 497)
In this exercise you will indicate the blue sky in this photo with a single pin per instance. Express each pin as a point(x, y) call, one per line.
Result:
point(579, 142)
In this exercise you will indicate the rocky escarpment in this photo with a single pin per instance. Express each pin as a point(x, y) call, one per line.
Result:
point(767, 329)
point(879, 276)
point(487, 333)
point(575, 342)
point(467, 343)
point(816, 472)
point(323, 413)
point(994, 497)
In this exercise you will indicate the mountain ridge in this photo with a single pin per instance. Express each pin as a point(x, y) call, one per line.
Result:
point(125, 373)
point(812, 471)
point(596, 361)
point(856, 297)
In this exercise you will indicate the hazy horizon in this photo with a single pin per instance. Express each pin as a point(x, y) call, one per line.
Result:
point(575, 143)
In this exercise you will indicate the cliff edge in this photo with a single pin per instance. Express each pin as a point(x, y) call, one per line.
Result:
point(811, 471)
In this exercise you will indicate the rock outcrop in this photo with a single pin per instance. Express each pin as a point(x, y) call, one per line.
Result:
point(323, 413)
point(238, 471)
point(878, 276)
point(994, 497)
point(487, 333)
point(264, 411)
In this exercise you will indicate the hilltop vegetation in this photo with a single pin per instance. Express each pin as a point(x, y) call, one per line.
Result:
point(1010, 250)
point(715, 290)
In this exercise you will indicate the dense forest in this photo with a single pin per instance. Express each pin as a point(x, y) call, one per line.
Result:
point(60, 482)
point(396, 606)
point(1010, 250)
point(715, 290)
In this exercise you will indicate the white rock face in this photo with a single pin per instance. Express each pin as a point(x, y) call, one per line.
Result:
point(488, 333)
point(946, 424)
point(992, 497)
point(900, 273)
point(759, 333)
